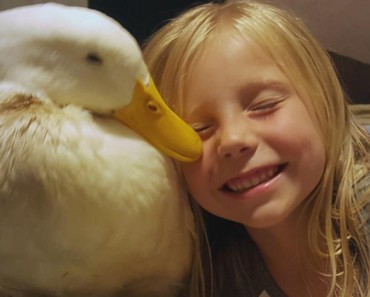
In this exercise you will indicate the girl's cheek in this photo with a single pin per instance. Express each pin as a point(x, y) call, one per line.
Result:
point(195, 173)
point(192, 173)
point(188, 170)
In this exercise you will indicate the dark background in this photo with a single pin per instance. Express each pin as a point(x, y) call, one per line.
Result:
point(142, 18)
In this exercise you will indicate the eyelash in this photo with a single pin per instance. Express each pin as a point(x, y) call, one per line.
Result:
point(200, 129)
point(265, 107)
point(203, 130)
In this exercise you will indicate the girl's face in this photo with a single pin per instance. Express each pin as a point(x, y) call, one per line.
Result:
point(262, 154)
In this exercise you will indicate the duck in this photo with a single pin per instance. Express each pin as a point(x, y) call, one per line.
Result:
point(91, 203)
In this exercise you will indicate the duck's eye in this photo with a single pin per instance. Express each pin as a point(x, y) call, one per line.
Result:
point(94, 58)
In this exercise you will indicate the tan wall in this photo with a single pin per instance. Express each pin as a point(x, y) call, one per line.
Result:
point(341, 25)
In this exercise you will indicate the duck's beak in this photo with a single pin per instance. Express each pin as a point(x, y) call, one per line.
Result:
point(148, 115)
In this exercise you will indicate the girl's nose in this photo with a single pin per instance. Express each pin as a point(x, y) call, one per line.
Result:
point(236, 140)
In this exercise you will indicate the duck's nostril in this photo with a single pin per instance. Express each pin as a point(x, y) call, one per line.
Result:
point(152, 106)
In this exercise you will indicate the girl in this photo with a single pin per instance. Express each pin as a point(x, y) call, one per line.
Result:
point(281, 192)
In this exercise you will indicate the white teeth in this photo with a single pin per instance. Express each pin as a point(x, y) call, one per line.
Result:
point(243, 185)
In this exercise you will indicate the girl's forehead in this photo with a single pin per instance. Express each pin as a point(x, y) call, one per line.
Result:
point(227, 44)
point(229, 39)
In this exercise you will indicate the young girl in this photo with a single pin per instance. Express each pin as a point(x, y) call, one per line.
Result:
point(281, 191)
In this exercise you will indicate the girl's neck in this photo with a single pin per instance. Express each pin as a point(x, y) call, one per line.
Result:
point(296, 270)
point(282, 241)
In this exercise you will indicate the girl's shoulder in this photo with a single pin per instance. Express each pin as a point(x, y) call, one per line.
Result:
point(362, 182)
point(362, 195)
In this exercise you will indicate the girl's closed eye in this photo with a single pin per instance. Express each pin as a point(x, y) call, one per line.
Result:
point(204, 130)
point(268, 100)
point(264, 98)
point(265, 107)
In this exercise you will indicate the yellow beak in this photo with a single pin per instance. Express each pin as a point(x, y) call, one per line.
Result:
point(148, 115)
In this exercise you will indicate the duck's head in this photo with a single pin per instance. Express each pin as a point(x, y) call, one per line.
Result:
point(79, 56)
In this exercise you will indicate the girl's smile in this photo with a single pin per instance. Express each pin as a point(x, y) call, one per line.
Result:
point(262, 154)
point(250, 180)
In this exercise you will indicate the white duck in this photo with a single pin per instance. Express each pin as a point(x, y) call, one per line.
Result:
point(87, 206)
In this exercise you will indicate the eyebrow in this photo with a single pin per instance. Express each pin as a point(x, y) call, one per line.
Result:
point(268, 84)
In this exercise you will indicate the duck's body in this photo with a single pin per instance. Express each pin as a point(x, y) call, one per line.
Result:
point(87, 206)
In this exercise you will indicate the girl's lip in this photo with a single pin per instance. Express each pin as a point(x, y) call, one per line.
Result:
point(252, 178)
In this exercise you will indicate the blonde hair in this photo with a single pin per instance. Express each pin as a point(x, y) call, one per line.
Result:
point(335, 229)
